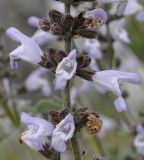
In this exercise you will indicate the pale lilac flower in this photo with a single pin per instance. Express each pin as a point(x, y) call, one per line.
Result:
point(33, 21)
point(139, 143)
point(28, 50)
point(121, 8)
point(122, 4)
point(98, 14)
point(140, 16)
point(93, 65)
point(38, 131)
point(92, 48)
point(56, 5)
point(43, 38)
point(109, 80)
point(6, 87)
point(139, 129)
point(118, 32)
point(63, 132)
point(65, 70)
point(36, 81)
point(40, 36)
point(132, 7)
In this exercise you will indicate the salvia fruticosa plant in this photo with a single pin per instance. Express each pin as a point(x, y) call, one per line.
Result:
point(102, 28)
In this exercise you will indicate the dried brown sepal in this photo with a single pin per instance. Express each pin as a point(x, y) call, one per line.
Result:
point(45, 62)
point(22, 90)
point(68, 22)
point(93, 23)
point(80, 120)
point(53, 57)
point(56, 17)
point(79, 21)
point(85, 74)
point(51, 53)
point(44, 24)
point(49, 152)
point(63, 113)
point(87, 33)
point(93, 124)
point(83, 61)
point(56, 30)
point(54, 117)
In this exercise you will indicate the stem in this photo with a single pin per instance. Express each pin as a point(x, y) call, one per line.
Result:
point(67, 8)
point(110, 49)
point(9, 113)
point(100, 146)
point(75, 147)
point(66, 94)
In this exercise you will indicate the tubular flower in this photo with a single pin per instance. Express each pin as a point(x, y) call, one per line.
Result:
point(28, 50)
point(122, 4)
point(35, 81)
point(43, 137)
point(92, 48)
point(63, 132)
point(38, 131)
point(139, 143)
point(40, 36)
point(133, 7)
point(65, 70)
point(118, 31)
point(97, 18)
point(109, 81)
point(121, 8)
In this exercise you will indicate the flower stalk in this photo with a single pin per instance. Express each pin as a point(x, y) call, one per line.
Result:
point(66, 94)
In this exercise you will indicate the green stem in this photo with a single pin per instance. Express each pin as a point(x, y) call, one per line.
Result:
point(66, 94)
point(110, 49)
point(8, 112)
point(67, 8)
point(75, 147)
point(100, 146)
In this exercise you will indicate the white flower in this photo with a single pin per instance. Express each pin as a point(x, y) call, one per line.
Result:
point(35, 81)
point(28, 50)
point(109, 81)
point(38, 131)
point(63, 132)
point(92, 48)
point(65, 70)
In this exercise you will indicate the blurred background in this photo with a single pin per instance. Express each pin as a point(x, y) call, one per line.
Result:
point(118, 131)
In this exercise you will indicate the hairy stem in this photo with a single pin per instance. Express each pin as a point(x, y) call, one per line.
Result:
point(66, 94)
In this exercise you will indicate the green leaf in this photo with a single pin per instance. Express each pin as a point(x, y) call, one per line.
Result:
point(47, 105)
